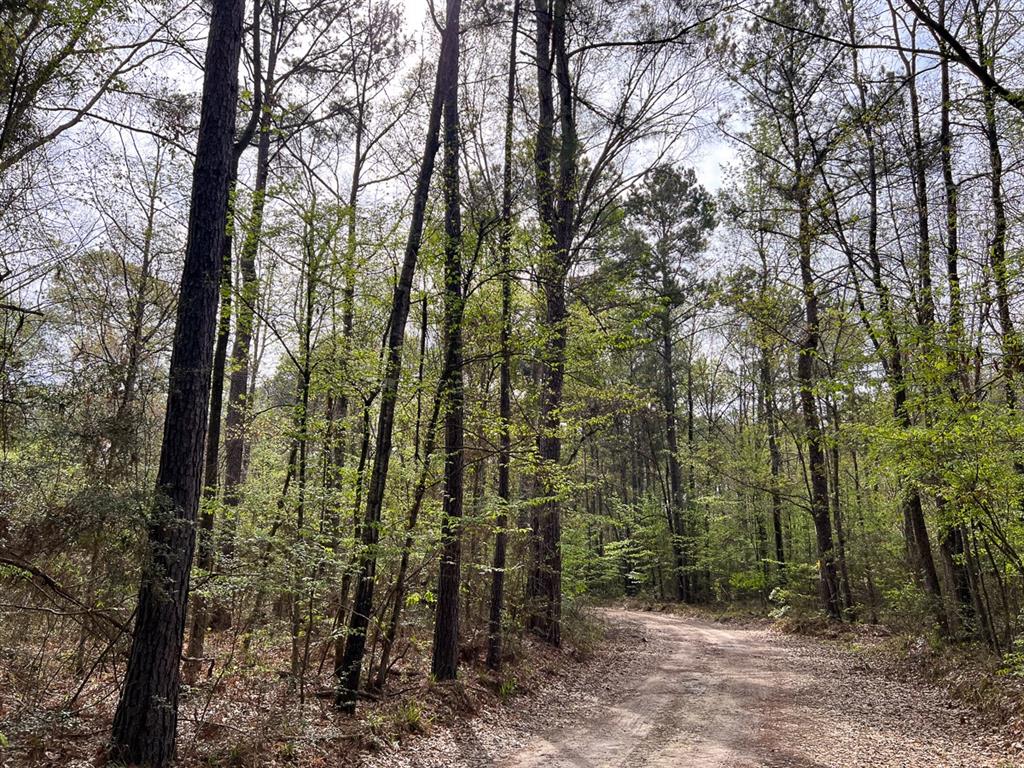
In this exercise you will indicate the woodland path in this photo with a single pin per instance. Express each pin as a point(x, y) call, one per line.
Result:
point(707, 695)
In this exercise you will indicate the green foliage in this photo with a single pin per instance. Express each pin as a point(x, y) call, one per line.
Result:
point(747, 584)
point(409, 717)
point(507, 688)
point(1012, 663)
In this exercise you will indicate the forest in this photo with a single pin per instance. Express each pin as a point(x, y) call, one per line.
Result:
point(358, 357)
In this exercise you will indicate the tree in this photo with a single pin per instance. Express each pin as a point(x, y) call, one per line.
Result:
point(577, 184)
point(556, 202)
point(211, 466)
point(292, 56)
point(494, 639)
point(446, 621)
point(145, 724)
point(784, 74)
point(349, 668)
point(957, 51)
point(672, 216)
point(46, 47)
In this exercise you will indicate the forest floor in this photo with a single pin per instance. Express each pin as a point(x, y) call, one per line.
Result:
point(631, 688)
point(669, 690)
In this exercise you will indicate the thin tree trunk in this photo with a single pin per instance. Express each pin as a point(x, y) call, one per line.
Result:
point(349, 671)
point(200, 612)
point(953, 536)
point(675, 476)
point(311, 269)
point(391, 632)
point(248, 297)
point(997, 247)
point(494, 635)
point(340, 457)
point(775, 459)
point(341, 640)
point(700, 583)
point(890, 348)
point(845, 585)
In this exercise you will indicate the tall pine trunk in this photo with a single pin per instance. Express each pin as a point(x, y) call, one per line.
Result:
point(145, 722)
point(557, 206)
point(813, 437)
point(444, 664)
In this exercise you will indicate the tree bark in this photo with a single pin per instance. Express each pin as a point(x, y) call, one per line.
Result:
point(774, 458)
point(806, 378)
point(953, 536)
point(675, 474)
point(997, 247)
point(145, 722)
point(211, 471)
point(391, 631)
point(445, 661)
point(557, 205)
point(845, 585)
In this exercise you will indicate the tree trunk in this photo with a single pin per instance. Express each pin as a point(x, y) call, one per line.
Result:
point(675, 475)
point(1001, 271)
point(349, 671)
point(494, 636)
point(248, 298)
point(145, 722)
point(845, 586)
point(775, 459)
point(557, 205)
point(809, 348)
point(311, 268)
point(211, 471)
point(391, 631)
point(700, 584)
point(890, 348)
point(953, 537)
point(445, 661)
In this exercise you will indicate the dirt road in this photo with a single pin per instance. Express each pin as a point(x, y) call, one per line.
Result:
point(714, 696)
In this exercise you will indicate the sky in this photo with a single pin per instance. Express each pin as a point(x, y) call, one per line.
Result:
point(708, 158)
